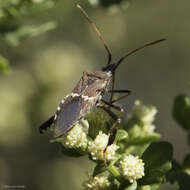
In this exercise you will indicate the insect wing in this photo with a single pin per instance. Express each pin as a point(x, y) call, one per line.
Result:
point(67, 116)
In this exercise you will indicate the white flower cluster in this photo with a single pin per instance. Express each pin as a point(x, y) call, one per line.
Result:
point(132, 167)
point(146, 114)
point(96, 183)
point(97, 147)
point(77, 136)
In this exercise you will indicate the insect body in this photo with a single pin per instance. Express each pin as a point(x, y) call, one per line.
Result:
point(88, 93)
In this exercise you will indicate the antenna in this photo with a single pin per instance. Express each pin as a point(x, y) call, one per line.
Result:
point(137, 49)
point(97, 32)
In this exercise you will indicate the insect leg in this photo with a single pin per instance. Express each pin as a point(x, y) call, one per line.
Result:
point(126, 92)
point(113, 129)
point(46, 124)
point(118, 108)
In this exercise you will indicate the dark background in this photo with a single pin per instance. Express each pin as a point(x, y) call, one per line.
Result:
point(47, 67)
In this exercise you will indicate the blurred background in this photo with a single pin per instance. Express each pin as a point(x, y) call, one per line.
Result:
point(46, 67)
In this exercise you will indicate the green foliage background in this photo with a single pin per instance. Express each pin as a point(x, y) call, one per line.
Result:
point(46, 67)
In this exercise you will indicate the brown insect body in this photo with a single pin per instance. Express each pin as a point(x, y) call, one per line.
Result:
point(86, 94)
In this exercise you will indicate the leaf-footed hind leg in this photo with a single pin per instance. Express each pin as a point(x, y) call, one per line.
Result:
point(113, 130)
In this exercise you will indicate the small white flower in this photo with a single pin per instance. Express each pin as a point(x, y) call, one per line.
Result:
point(97, 147)
point(77, 136)
point(145, 113)
point(110, 152)
point(132, 167)
point(96, 183)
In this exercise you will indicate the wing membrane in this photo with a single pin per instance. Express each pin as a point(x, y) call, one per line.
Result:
point(67, 116)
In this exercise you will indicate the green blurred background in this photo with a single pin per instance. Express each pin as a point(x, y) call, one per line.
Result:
point(46, 68)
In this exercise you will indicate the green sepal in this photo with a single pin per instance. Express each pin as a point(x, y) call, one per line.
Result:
point(158, 161)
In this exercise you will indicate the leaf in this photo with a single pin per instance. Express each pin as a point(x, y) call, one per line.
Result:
point(121, 135)
point(4, 65)
point(23, 32)
point(72, 152)
point(128, 186)
point(182, 179)
point(157, 158)
point(149, 187)
point(101, 167)
point(187, 161)
point(143, 139)
point(181, 111)
point(186, 164)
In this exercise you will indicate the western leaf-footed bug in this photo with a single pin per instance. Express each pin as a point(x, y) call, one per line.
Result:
point(88, 93)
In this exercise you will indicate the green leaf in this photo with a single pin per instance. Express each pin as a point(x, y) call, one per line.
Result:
point(128, 186)
point(181, 111)
point(133, 186)
point(121, 135)
point(187, 161)
point(157, 158)
point(27, 31)
point(143, 139)
point(4, 65)
point(186, 164)
point(182, 179)
point(149, 187)
point(73, 152)
point(101, 167)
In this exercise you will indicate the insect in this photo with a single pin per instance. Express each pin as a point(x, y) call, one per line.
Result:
point(89, 91)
